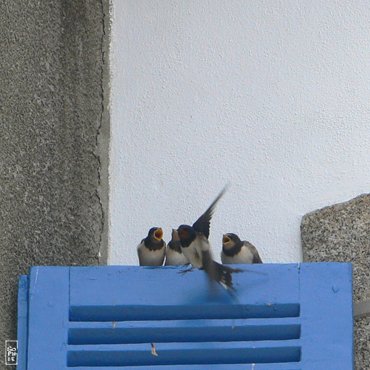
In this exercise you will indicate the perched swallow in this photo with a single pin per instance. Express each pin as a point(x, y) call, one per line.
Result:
point(152, 249)
point(174, 255)
point(235, 250)
point(195, 246)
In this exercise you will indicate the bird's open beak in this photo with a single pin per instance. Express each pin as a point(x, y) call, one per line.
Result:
point(158, 234)
point(225, 239)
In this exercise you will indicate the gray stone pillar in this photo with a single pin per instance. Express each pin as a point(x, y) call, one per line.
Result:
point(342, 233)
point(54, 131)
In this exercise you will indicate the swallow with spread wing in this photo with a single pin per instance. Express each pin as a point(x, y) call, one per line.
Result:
point(196, 247)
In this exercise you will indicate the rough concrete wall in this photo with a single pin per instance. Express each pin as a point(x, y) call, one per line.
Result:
point(53, 140)
point(342, 233)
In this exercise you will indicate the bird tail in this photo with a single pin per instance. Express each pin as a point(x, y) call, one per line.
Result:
point(224, 275)
point(218, 273)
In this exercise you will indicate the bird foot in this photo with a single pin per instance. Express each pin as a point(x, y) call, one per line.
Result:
point(189, 269)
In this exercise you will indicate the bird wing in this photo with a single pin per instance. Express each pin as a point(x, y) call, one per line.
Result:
point(140, 252)
point(254, 251)
point(202, 224)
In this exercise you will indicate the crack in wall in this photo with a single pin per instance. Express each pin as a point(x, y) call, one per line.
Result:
point(102, 136)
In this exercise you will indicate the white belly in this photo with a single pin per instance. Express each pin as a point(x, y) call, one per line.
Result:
point(244, 256)
point(148, 257)
point(193, 255)
point(174, 258)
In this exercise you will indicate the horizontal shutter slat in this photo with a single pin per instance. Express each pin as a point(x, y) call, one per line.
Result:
point(145, 289)
point(183, 331)
point(275, 366)
point(185, 353)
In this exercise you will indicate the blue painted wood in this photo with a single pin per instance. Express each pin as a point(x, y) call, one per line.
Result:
point(165, 294)
point(22, 325)
point(285, 317)
point(48, 318)
point(327, 317)
point(185, 353)
point(276, 366)
point(184, 331)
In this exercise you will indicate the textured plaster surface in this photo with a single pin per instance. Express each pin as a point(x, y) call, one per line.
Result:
point(53, 140)
point(272, 96)
point(342, 233)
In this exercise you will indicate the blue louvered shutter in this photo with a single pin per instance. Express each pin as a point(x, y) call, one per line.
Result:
point(284, 317)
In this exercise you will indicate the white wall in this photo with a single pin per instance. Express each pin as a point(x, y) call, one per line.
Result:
point(272, 96)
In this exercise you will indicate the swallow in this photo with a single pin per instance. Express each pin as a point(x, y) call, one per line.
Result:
point(174, 255)
point(235, 250)
point(196, 247)
point(152, 249)
point(214, 270)
point(188, 234)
